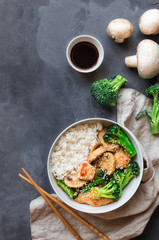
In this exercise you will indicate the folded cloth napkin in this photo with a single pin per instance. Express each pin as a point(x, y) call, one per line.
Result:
point(129, 220)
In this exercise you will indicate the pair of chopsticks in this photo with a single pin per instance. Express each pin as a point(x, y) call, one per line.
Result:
point(46, 195)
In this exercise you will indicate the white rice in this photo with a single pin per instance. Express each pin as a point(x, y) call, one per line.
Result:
point(73, 148)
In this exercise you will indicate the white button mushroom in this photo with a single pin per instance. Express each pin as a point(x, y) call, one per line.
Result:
point(146, 60)
point(119, 29)
point(149, 22)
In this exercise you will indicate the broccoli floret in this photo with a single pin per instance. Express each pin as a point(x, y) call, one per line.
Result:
point(119, 176)
point(105, 91)
point(70, 192)
point(154, 118)
point(110, 190)
point(124, 176)
point(114, 134)
point(132, 170)
point(102, 178)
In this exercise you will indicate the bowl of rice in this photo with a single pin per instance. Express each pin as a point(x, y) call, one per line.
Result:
point(72, 147)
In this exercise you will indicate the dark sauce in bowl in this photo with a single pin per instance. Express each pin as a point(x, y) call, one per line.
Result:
point(84, 55)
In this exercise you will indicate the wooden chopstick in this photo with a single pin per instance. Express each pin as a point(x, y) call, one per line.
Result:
point(53, 207)
point(64, 206)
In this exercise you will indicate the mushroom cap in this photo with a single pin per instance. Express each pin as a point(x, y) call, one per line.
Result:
point(149, 22)
point(120, 29)
point(148, 59)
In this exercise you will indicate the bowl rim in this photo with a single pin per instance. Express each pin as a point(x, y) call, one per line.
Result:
point(100, 211)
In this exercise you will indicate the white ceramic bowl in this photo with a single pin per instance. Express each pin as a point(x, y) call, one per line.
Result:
point(128, 192)
point(85, 38)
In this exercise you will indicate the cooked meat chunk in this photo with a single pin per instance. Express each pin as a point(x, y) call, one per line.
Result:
point(86, 171)
point(95, 146)
point(110, 147)
point(86, 198)
point(73, 181)
point(107, 162)
point(95, 154)
point(122, 158)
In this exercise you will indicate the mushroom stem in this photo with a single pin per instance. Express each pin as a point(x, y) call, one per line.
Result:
point(119, 40)
point(131, 61)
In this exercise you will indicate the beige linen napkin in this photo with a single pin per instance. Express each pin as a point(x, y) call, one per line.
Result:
point(129, 220)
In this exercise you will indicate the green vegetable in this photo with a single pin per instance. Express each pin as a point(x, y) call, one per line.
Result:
point(92, 184)
point(102, 178)
point(154, 118)
point(114, 187)
point(101, 173)
point(119, 176)
point(132, 170)
point(124, 176)
point(105, 91)
point(110, 190)
point(70, 192)
point(114, 134)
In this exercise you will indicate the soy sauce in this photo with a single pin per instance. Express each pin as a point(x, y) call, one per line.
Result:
point(84, 55)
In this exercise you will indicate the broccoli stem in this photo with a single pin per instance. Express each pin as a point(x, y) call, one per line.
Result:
point(155, 115)
point(117, 82)
point(127, 179)
point(70, 192)
point(126, 145)
point(119, 177)
point(154, 118)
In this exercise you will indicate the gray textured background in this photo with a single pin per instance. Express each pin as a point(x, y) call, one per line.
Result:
point(40, 94)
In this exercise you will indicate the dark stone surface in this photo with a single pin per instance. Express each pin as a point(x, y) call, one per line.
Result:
point(40, 94)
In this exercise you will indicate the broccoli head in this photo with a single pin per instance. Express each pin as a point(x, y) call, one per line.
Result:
point(132, 170)
point(124, 176)
point(110, 190)
point(154, 118)
point(115, 134)
point(105, 91)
